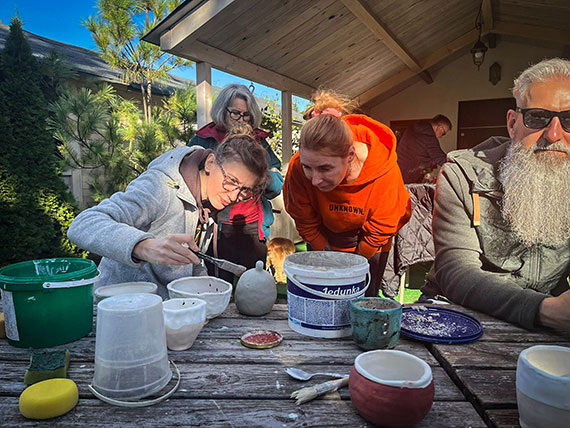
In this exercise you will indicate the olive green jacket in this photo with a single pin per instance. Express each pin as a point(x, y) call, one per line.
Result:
point(484, 266)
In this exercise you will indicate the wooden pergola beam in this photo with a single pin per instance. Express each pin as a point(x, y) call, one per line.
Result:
point(364, 15)
point(487, 12)
point(286, 129)
point(198, 51)
point(186, 28)
point(434, 58)
point(532, 32)
point(203, 93)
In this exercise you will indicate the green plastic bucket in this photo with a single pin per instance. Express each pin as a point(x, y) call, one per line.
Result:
point(48, 302)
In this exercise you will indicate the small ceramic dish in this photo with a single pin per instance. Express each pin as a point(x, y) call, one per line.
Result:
point(124, 288)
point(261, 339)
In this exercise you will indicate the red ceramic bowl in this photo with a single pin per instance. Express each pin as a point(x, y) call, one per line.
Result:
point(391, 388)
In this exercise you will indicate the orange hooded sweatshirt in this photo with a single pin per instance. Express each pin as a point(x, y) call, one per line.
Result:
point(370, 209)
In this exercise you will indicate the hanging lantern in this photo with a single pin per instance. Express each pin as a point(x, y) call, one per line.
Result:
point(478, 51)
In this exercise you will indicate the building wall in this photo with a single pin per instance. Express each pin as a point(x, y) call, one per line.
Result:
point(460, 81)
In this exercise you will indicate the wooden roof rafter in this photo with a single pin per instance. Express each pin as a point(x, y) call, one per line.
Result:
point(434, 58)
point(181, 39)
point(363, 13)
point(487, 12)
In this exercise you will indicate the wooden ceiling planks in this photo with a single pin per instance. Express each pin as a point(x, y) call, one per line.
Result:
point(546, 13)
point(323, 53)
point(256, 24)
point(321, 42)
point(370, 60)
point(229, 24)
point(422, 26)
point(326, 23)
point(296, 20)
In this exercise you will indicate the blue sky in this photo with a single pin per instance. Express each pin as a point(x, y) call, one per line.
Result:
point(61, 20)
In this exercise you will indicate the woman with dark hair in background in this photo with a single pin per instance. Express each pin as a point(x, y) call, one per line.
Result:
point(344, 188)
point(149, 231)
point(244, 227)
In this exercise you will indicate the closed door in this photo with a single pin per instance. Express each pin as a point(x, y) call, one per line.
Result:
point(481, 119)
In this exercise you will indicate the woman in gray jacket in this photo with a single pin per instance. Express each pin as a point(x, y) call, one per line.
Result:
point(149, 231)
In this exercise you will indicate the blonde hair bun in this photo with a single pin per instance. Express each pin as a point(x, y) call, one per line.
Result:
point(328, 98)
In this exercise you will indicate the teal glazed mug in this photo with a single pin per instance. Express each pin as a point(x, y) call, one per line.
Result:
point(375, 322)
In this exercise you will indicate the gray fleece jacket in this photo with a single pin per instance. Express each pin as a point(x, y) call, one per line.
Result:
point(485, 267)
point(154, 205)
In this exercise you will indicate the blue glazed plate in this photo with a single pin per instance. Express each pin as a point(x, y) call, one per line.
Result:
point(439, 325)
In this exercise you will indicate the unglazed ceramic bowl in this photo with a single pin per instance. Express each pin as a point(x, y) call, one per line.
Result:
point(391, 388)
point(216, 292)
point(543, 387)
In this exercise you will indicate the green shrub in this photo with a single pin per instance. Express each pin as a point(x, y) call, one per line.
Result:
point(35, 207)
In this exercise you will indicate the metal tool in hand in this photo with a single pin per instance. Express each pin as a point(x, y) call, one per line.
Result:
point(226, 265)
point(299, 374)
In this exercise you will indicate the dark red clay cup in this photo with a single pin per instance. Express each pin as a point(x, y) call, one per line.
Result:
point(391, 388)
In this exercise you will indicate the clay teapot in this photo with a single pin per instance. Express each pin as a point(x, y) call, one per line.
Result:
point(255, 291)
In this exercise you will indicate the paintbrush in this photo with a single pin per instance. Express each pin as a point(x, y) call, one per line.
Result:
point(307, 394)
point(226, 265)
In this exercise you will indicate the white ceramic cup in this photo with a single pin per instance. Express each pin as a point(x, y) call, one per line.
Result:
point(543, 387)
point(183, 319)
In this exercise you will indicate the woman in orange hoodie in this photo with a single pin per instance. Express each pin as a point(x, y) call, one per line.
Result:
point(344, 188)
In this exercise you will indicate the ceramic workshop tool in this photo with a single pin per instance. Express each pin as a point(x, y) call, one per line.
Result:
point(299, 374)
point(305, 395)
point(226, 265)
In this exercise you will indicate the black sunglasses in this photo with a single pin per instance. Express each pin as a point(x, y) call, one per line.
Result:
point(539, 118)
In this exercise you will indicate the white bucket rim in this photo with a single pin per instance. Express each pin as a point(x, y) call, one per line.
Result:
point(306, 270)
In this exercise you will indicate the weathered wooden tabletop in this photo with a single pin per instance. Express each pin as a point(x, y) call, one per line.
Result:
point(225, 384)
point(485, 370)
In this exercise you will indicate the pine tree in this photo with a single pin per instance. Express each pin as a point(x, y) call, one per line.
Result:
point(35, 208)
point(117, 28)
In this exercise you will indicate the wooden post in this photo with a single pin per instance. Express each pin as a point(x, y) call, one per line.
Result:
point(203, 93)
point(287, 128)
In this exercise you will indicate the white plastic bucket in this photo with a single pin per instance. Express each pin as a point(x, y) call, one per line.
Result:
point(320, 286)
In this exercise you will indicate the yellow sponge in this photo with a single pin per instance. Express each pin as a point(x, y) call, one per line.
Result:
point(49, 399)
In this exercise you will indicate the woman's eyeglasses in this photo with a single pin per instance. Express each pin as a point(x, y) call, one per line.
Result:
point(230, 184)
point(539, 118)
point(237, 115)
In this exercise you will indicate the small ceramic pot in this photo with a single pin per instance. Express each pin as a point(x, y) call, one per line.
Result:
point(183, 320)
point(391, 388)
point(255, 291)
point(375, 322)
point(543, 387)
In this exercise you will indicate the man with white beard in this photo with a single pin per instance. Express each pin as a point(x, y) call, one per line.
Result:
point(501, 222)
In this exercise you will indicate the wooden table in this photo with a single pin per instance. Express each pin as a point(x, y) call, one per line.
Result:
point(485, 370)
point(227, 385)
